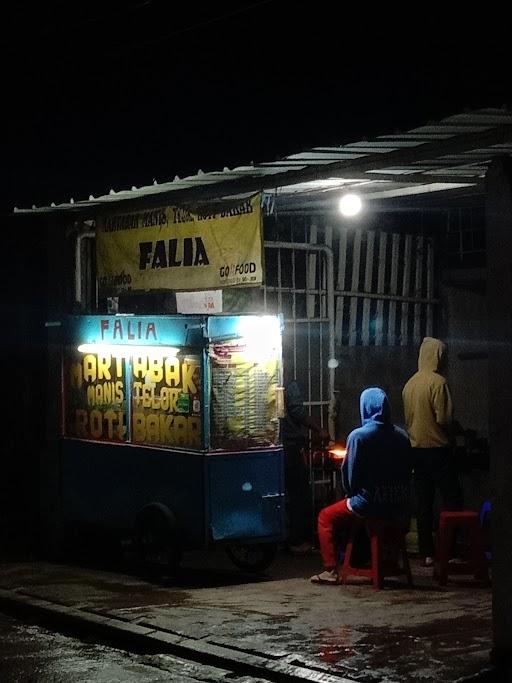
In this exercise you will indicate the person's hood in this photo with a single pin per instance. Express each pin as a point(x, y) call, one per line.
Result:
point(431, 353)
point(374, 406)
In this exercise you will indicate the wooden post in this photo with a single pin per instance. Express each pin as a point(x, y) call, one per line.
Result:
point(393, 289)
point(406, 283)
point(417, 288)
point(356, 261)
point(499, 298)
point(368, 272)
point(430, 287)
point(342, 269)
point(383, 240)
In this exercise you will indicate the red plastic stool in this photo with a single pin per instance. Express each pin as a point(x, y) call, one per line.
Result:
point(449, 523)
point(387, 545)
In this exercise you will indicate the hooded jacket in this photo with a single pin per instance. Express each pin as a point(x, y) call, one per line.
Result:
point(293, 431)
point(376, 472)
point(427, 402)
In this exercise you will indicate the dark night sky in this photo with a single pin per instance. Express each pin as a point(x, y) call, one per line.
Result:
point(114, 94)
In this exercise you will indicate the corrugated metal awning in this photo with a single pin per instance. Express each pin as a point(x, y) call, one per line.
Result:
point(451, 154)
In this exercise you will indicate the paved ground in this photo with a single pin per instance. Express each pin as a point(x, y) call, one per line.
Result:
point(29, 653)
point(426, 633)
point(32, 654)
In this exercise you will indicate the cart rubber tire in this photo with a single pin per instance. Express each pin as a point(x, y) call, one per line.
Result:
point(157, 538)
point(252, 557)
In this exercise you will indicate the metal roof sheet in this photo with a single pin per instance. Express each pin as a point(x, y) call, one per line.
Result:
point(455, 151)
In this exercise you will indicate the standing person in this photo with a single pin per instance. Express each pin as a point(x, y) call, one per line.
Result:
point(429, 418)
point(376, 477)
point(294, 434)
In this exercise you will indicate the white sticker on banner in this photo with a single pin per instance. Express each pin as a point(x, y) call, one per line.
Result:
point(199, 302)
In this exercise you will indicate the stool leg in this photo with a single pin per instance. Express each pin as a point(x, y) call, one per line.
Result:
point(377, 577)
point(479, 563)
point(346, 560)
point(406, 565)
point(444, 539)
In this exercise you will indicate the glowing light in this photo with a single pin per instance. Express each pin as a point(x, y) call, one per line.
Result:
point(262, 326)
point(261, 336)
point(350, 204)
point(337, 453)
point(125, 351)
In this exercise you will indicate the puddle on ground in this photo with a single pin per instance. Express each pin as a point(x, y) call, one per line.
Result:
point(435, 651)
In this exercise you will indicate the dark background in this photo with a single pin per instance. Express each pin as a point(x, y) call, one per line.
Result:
point(101, 95)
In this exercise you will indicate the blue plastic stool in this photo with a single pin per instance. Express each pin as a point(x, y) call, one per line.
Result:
point(485, 513)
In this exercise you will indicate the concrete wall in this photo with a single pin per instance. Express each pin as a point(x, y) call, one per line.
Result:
point(464, 328)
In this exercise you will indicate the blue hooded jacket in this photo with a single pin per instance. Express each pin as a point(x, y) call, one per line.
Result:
point(376, 472)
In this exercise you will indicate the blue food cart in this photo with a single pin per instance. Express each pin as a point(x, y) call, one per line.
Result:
point(170, 432)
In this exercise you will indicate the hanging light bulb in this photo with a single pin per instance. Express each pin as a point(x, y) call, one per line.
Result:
point(350, 204)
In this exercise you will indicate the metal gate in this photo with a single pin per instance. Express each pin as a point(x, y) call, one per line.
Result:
point(357, 288)
point(299, 285)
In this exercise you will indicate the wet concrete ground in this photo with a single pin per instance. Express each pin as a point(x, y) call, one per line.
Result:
point(426, 633)
point(31, 654)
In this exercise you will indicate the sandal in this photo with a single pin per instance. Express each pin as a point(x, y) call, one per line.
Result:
point(328, 577)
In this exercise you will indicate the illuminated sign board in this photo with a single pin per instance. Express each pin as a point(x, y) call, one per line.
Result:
point(123, 383)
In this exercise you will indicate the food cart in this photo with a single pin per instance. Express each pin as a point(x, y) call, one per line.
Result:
point(170, 432)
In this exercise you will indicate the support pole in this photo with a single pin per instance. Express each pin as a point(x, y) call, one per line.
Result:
point(499, 306)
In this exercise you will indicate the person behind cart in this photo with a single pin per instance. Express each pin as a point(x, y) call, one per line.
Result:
point(376, 476)
point(294, 435)
point(429, 419)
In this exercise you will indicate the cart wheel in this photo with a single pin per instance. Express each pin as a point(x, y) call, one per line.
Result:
point(252, 557)
point(156, 537)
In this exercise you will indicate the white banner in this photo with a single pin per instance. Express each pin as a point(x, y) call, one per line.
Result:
point(208, 302)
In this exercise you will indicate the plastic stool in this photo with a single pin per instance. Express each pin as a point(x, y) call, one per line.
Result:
point(449, 523)
point(387, 545)
point(485, 510)
point(485, 517)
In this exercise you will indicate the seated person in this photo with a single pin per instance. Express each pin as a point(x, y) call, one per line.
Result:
point(376, 477)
